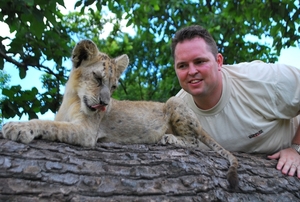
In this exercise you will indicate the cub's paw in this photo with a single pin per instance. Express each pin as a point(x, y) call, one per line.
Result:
point(171, 139)
point(18, 131)
point(168, 139)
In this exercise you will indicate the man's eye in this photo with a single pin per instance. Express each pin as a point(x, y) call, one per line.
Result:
point(198, 62)
point(181, 66)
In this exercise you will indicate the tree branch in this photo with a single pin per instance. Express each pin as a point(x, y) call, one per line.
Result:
point(24, 65)
point(111, 172)
point(11, 60)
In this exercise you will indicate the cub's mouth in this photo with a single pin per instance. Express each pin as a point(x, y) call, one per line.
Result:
point(95, 107)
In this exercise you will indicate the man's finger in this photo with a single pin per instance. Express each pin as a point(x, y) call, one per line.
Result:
point(274, 156)
point(282, 165)
point(293, 169)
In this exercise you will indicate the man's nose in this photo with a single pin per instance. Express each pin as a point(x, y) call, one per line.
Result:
point(192, 69)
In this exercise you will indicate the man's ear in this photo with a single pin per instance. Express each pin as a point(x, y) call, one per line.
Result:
point(219, 61)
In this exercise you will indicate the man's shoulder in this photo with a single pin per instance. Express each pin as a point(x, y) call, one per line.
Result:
point(251, 71)
point(182, 93)
point(259, 70)
point(258, 64)
point(254, 63)
point(185, 96)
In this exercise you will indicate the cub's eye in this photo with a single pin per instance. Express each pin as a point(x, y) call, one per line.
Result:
point(97, 78)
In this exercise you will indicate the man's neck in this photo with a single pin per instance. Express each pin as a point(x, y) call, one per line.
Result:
point(206, 103)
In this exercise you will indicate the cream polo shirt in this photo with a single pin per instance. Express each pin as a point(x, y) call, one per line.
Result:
point(258, 109)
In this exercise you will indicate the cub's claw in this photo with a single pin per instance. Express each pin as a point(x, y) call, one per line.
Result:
point(169, 139)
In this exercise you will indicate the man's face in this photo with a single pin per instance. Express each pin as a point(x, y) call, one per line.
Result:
point(197, 68)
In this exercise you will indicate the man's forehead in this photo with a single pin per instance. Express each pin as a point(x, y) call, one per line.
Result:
point(196, 48)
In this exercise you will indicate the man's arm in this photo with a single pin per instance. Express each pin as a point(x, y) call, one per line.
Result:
point(289, 159)
point(296, 139)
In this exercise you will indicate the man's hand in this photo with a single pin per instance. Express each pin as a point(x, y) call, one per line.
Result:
point(289, 161)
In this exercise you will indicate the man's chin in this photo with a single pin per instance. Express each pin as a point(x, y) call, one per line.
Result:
point(195, 92)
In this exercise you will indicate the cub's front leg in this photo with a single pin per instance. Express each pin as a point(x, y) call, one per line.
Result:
point(66, 132)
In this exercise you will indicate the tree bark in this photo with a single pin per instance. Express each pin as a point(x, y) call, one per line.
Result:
point(51, 171)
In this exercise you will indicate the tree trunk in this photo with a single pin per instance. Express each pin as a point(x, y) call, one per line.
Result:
point(50, 171)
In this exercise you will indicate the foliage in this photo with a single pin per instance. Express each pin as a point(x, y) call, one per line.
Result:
point(38, 34)
point(150, 75)
point(4, 80)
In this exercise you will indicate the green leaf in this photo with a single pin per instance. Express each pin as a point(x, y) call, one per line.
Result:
point(9, 110)
point(32, 115)
point(34, 90)
point(7, 92)
point(61, 2)
point(156, 7)
point(12, 91)
point(44, 109)
point(77, 4)
point(22, 73)
point(129, 22)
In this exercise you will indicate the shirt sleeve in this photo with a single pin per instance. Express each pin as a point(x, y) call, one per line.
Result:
point(287, 90)
point(273, 89)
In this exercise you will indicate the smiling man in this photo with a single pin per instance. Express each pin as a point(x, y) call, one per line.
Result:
point(248, 107)
point(195, 56)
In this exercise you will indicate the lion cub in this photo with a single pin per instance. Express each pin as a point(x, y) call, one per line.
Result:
point(88, 113)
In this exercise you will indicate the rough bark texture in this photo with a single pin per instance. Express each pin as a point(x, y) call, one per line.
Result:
point(49, 171)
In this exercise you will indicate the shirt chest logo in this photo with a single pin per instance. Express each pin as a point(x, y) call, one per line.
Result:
point(256, 134)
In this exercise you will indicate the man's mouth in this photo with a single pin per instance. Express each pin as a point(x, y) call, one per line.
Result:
point(196, 81)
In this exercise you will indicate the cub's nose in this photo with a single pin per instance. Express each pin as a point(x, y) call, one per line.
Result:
point(103, 103)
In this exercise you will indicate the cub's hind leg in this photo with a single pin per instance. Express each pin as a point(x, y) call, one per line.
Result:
point(185, 124)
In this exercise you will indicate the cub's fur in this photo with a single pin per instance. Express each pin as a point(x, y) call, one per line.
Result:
point(88, 113)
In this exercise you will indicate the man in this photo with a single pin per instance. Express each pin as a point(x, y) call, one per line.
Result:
point(248, 107)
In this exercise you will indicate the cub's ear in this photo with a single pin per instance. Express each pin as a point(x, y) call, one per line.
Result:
point(122, 63)
point(85, 50)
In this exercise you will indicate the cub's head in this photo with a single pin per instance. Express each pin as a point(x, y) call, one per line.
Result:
point(94, 76)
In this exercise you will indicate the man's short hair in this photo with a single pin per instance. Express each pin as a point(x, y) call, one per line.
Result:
point(192, 32)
